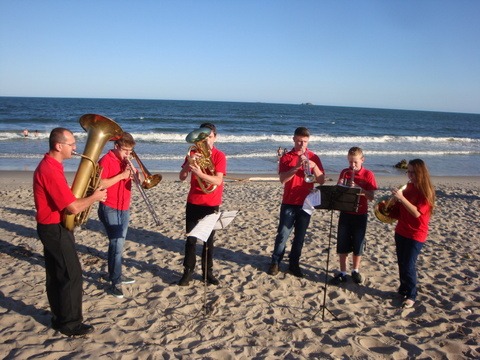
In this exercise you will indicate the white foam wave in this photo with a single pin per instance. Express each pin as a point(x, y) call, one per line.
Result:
point(271, 138)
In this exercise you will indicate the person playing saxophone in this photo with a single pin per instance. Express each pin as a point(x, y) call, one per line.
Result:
point(114, 212)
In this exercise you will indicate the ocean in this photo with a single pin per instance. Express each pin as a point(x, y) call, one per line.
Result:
point(248, 133)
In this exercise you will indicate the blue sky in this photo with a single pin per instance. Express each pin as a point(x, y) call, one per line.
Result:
point(389, 54)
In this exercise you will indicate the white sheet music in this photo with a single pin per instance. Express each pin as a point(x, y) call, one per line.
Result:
point(313, 199)
point(215, 221)
point(226, 218)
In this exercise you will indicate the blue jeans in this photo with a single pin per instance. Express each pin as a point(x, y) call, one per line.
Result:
point(407, 254)
point(291, 217)
point(116, 226)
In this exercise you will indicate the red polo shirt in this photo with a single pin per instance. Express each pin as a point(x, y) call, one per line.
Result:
point(296, 189)
point(196, 195)
point(50, 191)
point(120, 193)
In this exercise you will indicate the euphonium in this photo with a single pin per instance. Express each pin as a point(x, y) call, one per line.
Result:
point(204, 162)
point(100, 130)
point(384, 206)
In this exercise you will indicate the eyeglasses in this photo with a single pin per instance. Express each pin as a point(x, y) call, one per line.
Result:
point(126, 150)
point(72, 144)
point(410, 172)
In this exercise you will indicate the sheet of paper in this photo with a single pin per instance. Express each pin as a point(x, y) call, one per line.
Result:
point(212, 222)
point(226, 218)
point(313, 199)
point(205, 227)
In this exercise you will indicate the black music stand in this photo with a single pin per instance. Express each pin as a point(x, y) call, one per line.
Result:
point(336, 197)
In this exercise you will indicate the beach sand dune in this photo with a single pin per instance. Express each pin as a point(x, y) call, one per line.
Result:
point(251, 315)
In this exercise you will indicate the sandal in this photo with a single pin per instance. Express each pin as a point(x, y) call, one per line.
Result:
point(408, 304)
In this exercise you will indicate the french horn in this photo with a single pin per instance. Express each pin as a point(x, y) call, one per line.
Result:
point(384, 206)
point(199, 137)
point(100, 130)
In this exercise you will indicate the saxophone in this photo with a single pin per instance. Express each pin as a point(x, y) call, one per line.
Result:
point(100, 130)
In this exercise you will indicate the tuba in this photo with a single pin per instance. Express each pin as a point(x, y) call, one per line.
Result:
point(384, 206)
point(199, 139)
point(100, 130)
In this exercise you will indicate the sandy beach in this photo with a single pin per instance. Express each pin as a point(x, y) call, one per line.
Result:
point(250, 315)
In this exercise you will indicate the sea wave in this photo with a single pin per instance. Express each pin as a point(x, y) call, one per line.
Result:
point(266, 155)
point(271, 138)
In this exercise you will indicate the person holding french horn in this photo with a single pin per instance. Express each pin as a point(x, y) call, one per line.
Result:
point(298, 170)
point(114, 212)
point(413, 208)
point(206, 166)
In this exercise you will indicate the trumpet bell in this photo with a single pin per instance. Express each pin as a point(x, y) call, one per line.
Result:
point(309, 178)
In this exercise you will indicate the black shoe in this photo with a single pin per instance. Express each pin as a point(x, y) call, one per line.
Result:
point(273, 269)
point(186, 277)
point(212, 280)
point(295, 270)
point(338, 279)
point(79, 330)
point(116, 290)
point(356, 277)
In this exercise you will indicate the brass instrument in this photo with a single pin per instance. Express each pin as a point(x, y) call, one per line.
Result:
point(100, 130)
point(309, 176)
point(198, 137)
point(384, 205)
point(149, 182)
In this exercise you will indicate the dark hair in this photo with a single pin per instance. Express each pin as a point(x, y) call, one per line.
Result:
point(301, 131)
point(57, 135)
point(126, 140)
point(211, 127)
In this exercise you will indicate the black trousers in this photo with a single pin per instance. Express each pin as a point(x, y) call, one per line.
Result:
point(64, 275)
point(194, 213)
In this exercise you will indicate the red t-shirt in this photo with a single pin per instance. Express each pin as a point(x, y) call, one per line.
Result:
point(408, 225)
point(119, 194)
point(296, 189)
point(196, 195)
point(365, 179)
point(51, 192)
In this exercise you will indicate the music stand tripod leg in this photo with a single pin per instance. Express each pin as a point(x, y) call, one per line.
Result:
point(323, 307)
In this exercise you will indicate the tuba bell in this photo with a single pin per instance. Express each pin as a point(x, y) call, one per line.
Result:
point(384, 206)
point(198, 137)
point(100, 130)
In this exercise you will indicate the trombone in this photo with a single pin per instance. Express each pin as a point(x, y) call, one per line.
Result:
point(149, 182)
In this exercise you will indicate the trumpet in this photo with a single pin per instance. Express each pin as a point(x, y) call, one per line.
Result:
point(309, 176)
point(384, 206)
point(149, 182)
